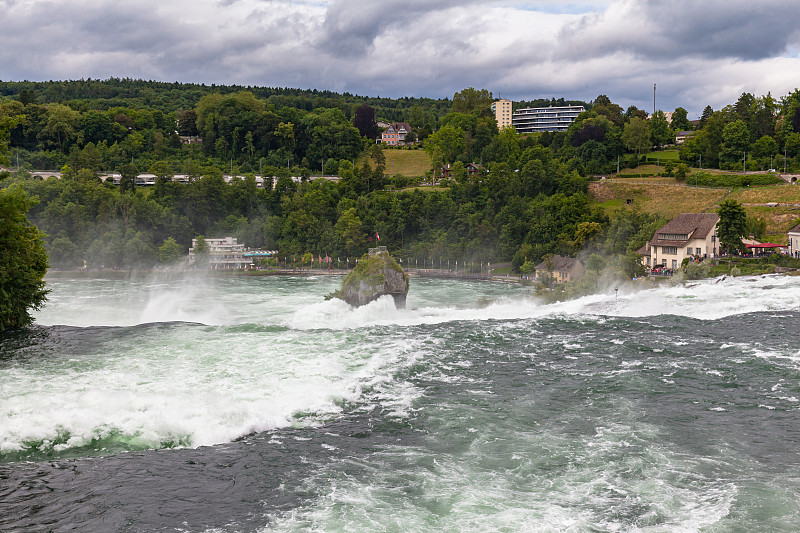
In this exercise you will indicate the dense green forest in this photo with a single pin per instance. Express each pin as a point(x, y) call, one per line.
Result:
point(528, 200)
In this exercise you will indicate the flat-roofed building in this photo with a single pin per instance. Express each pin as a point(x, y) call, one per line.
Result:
point(502, 113)
point(223, 253)
point(540, 119)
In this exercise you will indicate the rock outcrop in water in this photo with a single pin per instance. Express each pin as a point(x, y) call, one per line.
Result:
point(375, 274)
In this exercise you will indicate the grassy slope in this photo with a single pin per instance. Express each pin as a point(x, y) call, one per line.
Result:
point(666, 197)
point(411, 163)
point(407, 162)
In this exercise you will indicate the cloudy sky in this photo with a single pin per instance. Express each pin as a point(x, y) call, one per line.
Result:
point(697, 52)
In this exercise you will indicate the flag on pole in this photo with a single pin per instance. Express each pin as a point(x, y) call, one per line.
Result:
point(377, 236)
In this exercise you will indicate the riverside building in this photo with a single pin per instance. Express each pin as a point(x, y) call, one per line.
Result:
point(224, 253)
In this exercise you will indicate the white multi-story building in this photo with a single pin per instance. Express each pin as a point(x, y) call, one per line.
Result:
point(223, 253)
point(502, 113)
point(540, 119)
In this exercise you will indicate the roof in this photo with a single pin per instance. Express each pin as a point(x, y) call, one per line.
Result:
point(559, 263)
point(795, 229)
point(693, 225)
point(766, 245)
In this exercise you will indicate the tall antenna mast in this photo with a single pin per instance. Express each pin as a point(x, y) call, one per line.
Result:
point(654, 99)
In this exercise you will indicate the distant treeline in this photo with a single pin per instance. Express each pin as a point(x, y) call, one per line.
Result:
point(527, 200)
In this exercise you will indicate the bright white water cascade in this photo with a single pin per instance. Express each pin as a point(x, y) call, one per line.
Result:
point(477, 408)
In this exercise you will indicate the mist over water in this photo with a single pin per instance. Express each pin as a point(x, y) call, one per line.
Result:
point(251, 404)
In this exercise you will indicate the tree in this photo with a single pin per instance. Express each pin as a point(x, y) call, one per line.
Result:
point(350, 231)
point(364, 120)
point(587, 231)
point(659, 129)
point(732, 225)
point(680, 119)
point(187, 123)
point(23, 260)
point(27, 97)
point(202, 251)
point(61, 125)
point(449, 140)
point(170, 251)
point(765, 147)
point(681, 171)
point(128, 173)
point(707, 112)
point(735, 141)
point(636, 135)
point(472, 100)
point(6, 125)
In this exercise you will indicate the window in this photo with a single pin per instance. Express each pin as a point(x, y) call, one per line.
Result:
point(672, 236)
point(674, 264)
point(698, 251)
point(669, 250)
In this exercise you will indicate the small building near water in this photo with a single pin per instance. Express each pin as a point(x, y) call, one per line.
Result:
point(687, 235)
point(224, 253)
point(560, 269)
point(794, 241)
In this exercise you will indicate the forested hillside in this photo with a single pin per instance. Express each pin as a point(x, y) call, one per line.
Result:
point(528, 200)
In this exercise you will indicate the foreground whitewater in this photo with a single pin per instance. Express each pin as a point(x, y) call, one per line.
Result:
point(251, 403)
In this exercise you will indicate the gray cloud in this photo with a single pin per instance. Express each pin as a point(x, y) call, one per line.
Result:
point(698, 53)
point(711, 29)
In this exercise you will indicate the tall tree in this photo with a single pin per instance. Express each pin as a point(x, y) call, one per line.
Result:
point(202, 252)
point(169, 251)
point(636, 135)
point(660, 131)
point(680, 119)
point(23, 260)
point(364, 120)
point(732, 225)
point(472, 100)
point(736, 141)
point(61, 126)
point(707, 112)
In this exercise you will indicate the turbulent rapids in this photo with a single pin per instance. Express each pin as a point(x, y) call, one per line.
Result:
point(231, 404)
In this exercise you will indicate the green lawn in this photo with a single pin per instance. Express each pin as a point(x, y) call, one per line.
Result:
point(410, 163)
point(663, 155)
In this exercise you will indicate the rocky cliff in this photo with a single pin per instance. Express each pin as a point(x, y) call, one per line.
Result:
point(375, 274)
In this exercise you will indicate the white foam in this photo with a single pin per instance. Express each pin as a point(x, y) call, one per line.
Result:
point(191, 386)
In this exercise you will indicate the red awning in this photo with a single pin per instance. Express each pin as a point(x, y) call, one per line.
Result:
point(766, 245)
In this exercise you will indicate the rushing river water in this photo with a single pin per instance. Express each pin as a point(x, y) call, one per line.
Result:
point(250, 404)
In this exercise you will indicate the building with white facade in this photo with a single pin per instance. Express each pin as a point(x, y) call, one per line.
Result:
point(541, 119)
point(224, 253)
point(794, 241)
point(688, 234)
point(502, 113)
